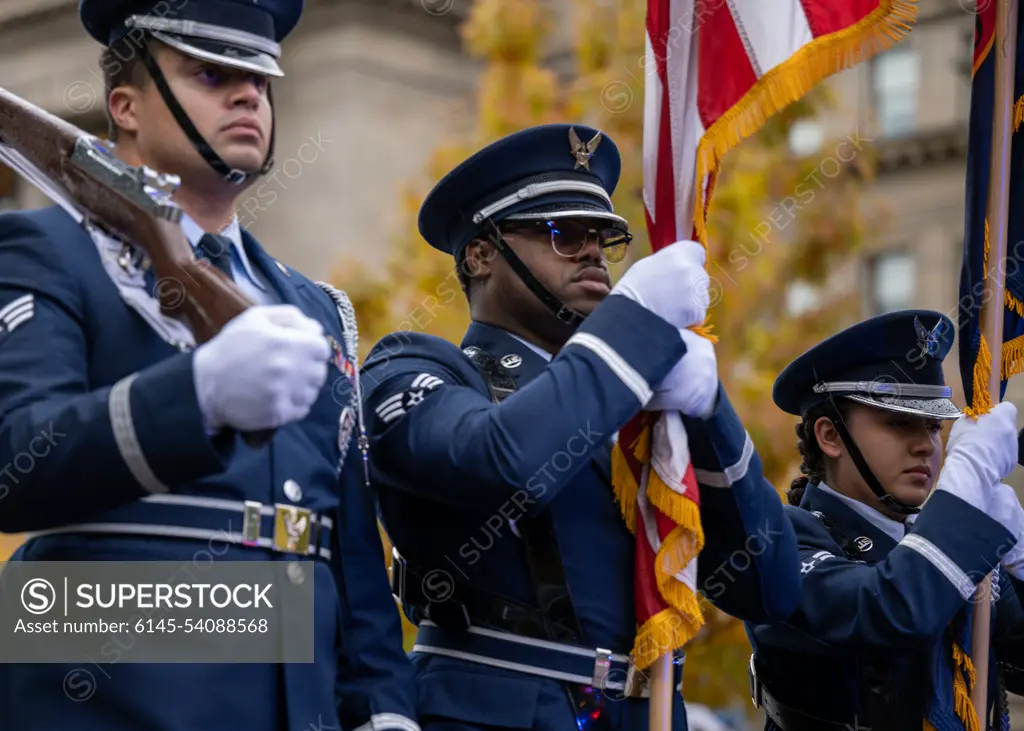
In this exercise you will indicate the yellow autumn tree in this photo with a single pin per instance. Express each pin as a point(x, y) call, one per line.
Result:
point(778, 227)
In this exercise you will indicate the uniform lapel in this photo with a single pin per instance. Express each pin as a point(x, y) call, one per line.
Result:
point(286, 286)
point(521, 363)
point(873, 543)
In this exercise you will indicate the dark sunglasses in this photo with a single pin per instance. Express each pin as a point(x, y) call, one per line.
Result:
point(569, 237)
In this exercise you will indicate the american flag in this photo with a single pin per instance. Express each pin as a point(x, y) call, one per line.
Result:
point(716, 71)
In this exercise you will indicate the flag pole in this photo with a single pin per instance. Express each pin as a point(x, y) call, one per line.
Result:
point(997, 214)
point(661, 693)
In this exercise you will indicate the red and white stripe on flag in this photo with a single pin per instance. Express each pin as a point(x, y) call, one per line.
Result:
point(716, 70)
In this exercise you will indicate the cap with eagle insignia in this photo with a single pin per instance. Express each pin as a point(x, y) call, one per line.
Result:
point(581, 150)
point(244, 34)
point(545, 172)
point(892, 362)
point(238, 34)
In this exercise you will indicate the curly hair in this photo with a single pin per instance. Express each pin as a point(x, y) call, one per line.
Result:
point(812, 466)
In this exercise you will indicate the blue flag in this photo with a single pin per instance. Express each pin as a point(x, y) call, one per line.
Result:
point(974, 371)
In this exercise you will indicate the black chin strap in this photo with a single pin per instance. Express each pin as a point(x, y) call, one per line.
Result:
point(562, 311)
point(862, 466)
point(231, 175)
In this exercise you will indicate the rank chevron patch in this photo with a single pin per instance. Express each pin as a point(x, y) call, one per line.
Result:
point(17, 312)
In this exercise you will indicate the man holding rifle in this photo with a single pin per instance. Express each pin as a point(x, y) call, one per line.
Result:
point(146, 459)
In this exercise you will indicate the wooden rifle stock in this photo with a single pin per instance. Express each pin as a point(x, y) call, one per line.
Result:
point(132, 204)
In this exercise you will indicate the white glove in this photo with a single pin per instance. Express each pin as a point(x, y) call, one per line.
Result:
point(1005, 508)
point(692, 385)
point(979, 454)
point(671, 283)
point(264, 369)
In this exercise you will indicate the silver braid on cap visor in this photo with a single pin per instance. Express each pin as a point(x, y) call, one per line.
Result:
point(209, 32)
point(885, 388)
point(534, 190)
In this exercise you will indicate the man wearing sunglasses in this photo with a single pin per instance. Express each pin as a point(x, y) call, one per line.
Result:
point(492, 460)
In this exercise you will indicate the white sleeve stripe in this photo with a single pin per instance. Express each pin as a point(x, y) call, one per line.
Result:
point(957, 577)
point(390, 400)
point(389, 722)
point(426, 380)
point(127, 440)
point(24, 301)
point(385, 413)
point(626, 373)
point(19, 318)
point(732, 473)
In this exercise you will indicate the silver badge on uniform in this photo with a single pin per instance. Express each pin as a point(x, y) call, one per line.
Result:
point(864, 543)
point(511, 360)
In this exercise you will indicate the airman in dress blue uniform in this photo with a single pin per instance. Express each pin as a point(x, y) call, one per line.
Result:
point(136, 433)
point(491, 459)
point(888, 579)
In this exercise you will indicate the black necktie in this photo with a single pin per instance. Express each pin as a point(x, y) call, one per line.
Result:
point(218, 251)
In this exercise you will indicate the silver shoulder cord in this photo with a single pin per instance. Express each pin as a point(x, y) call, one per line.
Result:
point(350, 334)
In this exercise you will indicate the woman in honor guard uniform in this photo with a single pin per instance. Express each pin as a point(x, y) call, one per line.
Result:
point(491, 460)
point(145, 458)
point(881, 639)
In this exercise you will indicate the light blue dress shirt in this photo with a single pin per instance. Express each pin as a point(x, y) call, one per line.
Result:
point(246, 276)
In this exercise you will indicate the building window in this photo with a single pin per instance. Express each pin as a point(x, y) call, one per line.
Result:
point(896, 78)
point(892, 281)
point(805, 137)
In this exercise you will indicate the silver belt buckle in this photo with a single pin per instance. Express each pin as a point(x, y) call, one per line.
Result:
point(252, 515)
point(637, 682)
point(602, 665)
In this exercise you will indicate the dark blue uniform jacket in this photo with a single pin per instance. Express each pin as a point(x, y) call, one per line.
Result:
point(455, 473)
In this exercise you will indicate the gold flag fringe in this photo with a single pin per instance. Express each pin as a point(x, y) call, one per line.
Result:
point(962, 666)
point(961, 692)
point(880, 29)
point(684, 620)
point(1013, 358)
point(1018, 111)
point(675, 626)
point(982, 401)
point(1011, 352)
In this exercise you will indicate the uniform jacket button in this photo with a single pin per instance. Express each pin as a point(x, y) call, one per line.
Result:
point(292, 491)
point(295, 573)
